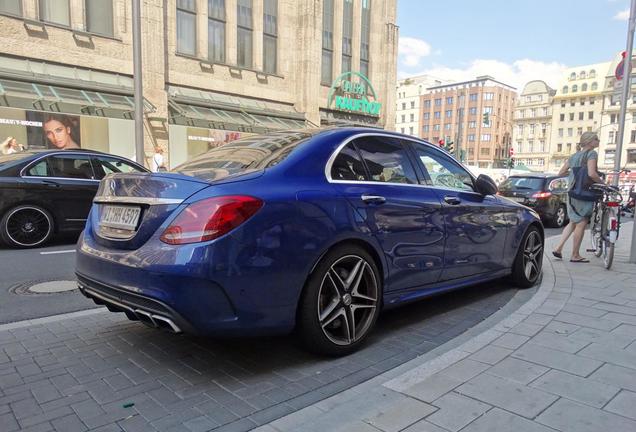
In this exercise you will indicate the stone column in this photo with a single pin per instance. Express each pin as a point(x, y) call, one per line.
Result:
point(230, 32)
point(306, 71)
point(77, 14)
point(202, 29)
point(257, 36)
point(30, 9)
point(338, 15)
point(153, 53)
point(357, 36)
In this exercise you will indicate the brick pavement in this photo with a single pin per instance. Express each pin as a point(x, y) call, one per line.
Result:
point(98, 371)
point(564, 361)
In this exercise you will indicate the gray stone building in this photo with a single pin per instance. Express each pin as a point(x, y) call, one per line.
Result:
point(213, 70)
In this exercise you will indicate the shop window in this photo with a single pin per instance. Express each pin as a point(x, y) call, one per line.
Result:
point(99, 16)
point(326, 72)
point(244, 33)
point(216, 31)
point(11, 7)
point(347, 35)
point(55, 12)
point(186, 27)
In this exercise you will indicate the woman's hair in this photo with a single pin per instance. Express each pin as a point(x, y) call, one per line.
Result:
point(588, 138)
point(4, 147)
point(64, 119)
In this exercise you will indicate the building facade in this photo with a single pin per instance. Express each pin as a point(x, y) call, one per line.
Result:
point(213, 70)
point(533, 125)
point(455, 112)
point(576, 108)
point(407, 107)
point(608, 129)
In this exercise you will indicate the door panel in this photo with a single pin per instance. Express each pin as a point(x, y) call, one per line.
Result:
point(377, 177)
point(474, 224)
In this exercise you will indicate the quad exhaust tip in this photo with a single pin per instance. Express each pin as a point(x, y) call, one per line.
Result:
point(150, 319)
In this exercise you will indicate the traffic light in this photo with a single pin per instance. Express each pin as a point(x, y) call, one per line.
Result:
point(441, 143)
point(511, 152)
point(486, 119)
point(449, 147)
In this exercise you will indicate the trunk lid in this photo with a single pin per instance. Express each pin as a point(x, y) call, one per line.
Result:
point(129, 208)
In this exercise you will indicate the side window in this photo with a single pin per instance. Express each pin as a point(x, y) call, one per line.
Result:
point(40, 169)
point(387, 160)
point(113, 165)
point(348, 165)
point(70, 166)
point(442, 171)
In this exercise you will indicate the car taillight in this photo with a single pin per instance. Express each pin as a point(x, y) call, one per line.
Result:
point(613, 204)
point(542, 195)
point(210, 218)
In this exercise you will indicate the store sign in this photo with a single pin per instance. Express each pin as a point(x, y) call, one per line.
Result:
point(353, 92)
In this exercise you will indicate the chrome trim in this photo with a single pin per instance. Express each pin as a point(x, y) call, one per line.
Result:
point(59, 178)
point(76, 220)
point(115, 234)
point(148, 315)
point(168, 321)
point(336, 152)
point(135, 200)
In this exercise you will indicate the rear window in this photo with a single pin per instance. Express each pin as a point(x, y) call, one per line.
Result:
point(522, 183)
point(245, 155)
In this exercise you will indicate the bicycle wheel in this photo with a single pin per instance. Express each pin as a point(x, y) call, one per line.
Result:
point(595, 233)
point(608, 247)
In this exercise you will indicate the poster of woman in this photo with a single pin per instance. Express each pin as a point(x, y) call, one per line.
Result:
point(61, 132)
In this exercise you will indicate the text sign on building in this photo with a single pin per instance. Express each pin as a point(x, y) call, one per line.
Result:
point(353, 92)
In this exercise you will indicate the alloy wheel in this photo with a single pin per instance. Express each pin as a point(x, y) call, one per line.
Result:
point(560, 219)
point(28, 226)
point(532, 256)
point(347, 300)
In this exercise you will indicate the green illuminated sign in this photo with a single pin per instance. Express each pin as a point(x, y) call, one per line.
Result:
point(353, 92)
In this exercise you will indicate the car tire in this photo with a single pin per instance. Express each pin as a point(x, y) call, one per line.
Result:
point(340, 302)
point(560, 217)
point(526, 269)
point(26, 226)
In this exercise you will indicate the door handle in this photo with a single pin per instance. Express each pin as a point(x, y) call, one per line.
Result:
point(373, 199)
point(452, 200)
point(50, 183)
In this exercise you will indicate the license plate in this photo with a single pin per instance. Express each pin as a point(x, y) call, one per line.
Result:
point(121, 217)
point(518, 199)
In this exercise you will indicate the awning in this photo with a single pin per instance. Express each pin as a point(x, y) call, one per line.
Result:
point(53, 98)
point(212, 110)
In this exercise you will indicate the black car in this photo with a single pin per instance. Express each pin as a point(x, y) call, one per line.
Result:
point(43, 193)
point(547, 194)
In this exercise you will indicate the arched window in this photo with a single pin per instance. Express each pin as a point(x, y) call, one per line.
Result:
point(575, 88)
point(594, 86)
point(584, 87)
point(593, 73)
point(582, 75)
point(565, 89)
point(573, 76)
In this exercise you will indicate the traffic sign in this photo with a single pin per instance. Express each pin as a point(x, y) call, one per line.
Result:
point(618, 73)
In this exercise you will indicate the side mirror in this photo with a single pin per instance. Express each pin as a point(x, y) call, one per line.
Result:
point(485, 185)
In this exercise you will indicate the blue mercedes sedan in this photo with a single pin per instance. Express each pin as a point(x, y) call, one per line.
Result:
point(313, 231)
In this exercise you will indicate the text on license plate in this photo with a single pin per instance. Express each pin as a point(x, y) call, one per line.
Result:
point(123, 217)
point(518, 199)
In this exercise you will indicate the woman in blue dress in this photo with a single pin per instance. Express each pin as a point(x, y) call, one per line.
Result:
point(579, 211)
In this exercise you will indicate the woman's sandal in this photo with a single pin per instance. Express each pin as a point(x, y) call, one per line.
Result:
point(582, 260)
point(557, 254)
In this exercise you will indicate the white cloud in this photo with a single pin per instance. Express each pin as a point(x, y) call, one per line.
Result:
point(622, 15)
point(412, 50)
point(516, 74)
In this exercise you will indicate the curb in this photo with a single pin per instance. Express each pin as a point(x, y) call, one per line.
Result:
point(51, 319)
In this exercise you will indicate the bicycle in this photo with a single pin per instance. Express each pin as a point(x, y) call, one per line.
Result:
point(605, 222)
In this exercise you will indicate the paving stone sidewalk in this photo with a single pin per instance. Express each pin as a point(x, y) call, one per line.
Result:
point(564, 361)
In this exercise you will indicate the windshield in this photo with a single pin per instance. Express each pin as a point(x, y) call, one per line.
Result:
point(241, 156)
point(522, 183)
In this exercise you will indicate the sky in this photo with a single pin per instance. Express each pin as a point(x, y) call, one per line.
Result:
point(515, 41)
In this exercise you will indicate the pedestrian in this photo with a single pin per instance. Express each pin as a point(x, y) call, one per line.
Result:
point(9, 146)
point(158, 164)
point(579, 211)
